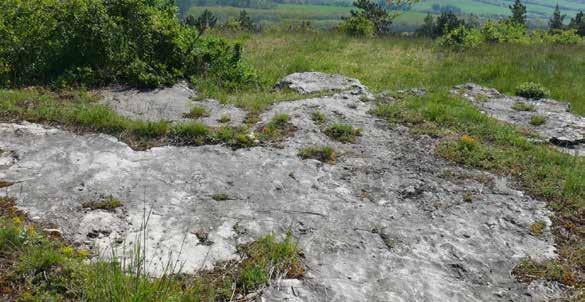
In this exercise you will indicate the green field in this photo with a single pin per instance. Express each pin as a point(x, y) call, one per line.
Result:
point(322, 16)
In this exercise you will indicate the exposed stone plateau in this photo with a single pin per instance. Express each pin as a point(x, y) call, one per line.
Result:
point(388, 222)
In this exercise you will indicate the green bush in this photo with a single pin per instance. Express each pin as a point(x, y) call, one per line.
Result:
point(343, 132)
point(358, 26)
point(532, 90)
point(504, 32)
point(95, 42)
point(461, 38)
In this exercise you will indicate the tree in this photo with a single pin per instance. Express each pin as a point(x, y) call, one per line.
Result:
point(556, 21)
point(446, 22)
point(578, 23)
point(518, 13)
point(206, 21)
point(428, 27)
point(376, 13)
point(245, 21)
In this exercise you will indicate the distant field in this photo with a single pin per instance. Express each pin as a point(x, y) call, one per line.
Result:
point(320, 16)
point(328, 16)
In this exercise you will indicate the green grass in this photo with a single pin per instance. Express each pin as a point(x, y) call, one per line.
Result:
point(538, 120)
point(318, 117)
point(81, 113)
point(197, 112)
point(521, 106)
point(400, 63)
point(109, 203)
point(36, 268)
point(324, 154)
point(343, 132)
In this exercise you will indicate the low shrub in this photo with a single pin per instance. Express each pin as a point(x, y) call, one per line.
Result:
point(94, 42)
point(358, 26)
point(461, 38)
point(532, 90)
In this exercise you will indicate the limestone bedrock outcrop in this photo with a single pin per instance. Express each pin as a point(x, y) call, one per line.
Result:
point(560, 127)
point(388, 222)
point(168, 104)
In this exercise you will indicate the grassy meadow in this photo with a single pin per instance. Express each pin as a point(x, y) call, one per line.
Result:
point(401, 63)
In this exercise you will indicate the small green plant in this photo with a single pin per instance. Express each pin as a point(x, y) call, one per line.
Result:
point(318, 117)
point(468, 197)
point(538, 120)
point(280, 120)
point(197, 112)
point(108, 203)
point(324, 154)
point(343, 132)
point(220, 197)
point(277, 128)
point(537, 228)
point(224, 119)
point(521, 106)
point(531, 90)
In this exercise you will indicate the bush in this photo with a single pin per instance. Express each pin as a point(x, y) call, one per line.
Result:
point(358, 26)
point(95, 42)
point(504, 32)
point(461, 38)
point(532, 90)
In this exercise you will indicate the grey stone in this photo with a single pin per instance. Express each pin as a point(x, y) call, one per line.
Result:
point(434, 247)
point(169, 104)
point(312, 82)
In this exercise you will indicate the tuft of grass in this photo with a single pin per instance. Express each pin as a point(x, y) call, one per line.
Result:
point(220, 197)
point(538, 120)
point(109, 203)
point(323, 154)
point(537, 228)
point(343, 132)
point(277, 128)
point(531, 90)
point(529, 270)
point(224, 119)
point(197, 112)
point(318, 117)
point(521, 106)
point(468, 197)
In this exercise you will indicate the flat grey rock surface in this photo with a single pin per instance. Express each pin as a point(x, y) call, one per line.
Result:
point(388, 222)
point(561, 127)
point(313, 82)
point(169, 104)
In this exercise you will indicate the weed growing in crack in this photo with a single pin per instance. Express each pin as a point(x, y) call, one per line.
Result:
point(343, 132)
point(324, 154)
point(538, 120)
point(537, 228)
point(220, 197)
point(109, 203)
point(318, 117)
point(521, 106)
point(197, 112)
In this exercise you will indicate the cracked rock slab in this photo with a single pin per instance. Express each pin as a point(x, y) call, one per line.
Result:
point(168, 104)
point(313, 82)
point(561, 128)
point(388, 222)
